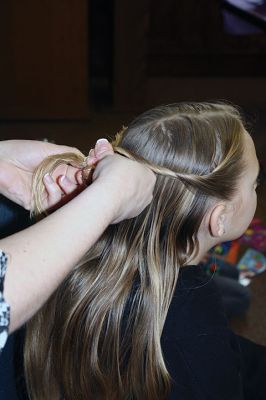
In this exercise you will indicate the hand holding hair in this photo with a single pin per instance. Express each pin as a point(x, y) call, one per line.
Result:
point(132, 182)
point(19, 159)
point(41, 256)
point(54, 189)
point(128, 183)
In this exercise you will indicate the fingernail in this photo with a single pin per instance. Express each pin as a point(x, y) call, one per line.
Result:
point(90, 152)
point(64, 179)
point(48, 178)
point(101, 146)
point(102, 141)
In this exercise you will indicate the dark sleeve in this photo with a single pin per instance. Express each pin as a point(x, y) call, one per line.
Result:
point(4, 307)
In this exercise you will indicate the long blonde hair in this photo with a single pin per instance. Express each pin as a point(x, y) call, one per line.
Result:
point(98, 337)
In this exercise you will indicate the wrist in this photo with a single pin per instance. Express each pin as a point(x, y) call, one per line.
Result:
point(3, 178)
point(106, 197)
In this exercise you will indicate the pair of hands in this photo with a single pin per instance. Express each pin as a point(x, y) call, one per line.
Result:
point(130, 184)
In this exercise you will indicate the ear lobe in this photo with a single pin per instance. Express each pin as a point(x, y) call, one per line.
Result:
point(217, 221)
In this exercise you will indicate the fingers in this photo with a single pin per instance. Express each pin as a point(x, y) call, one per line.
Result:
point(59, 192)
point(66, 170)
point(102, 149)
point(78, 177)
point(66, 185)
point(67, 180)
point(54, 193)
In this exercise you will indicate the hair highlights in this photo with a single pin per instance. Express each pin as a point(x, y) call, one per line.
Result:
point(98, 337)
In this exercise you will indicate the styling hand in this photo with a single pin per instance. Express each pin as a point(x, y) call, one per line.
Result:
point(18, 160)
point(129, 183)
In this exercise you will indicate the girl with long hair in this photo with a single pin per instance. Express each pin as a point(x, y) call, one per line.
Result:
point(137, 319)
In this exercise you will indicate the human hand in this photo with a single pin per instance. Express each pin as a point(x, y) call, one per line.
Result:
point(19, 159)
point(128, 183)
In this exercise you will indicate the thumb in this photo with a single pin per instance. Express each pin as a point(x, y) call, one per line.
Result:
point(102, 149)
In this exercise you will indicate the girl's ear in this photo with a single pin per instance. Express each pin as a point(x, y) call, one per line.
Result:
point(217, 221)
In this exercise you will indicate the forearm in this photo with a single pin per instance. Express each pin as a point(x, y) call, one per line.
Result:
point(43, 254)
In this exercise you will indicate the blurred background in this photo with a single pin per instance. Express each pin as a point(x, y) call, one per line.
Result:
point(74, 71)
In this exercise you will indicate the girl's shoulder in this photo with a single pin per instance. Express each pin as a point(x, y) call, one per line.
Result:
point(201, 353)
point(196, 305)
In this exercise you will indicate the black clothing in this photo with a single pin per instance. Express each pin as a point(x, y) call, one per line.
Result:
point(236, 298)
point(205, 359)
